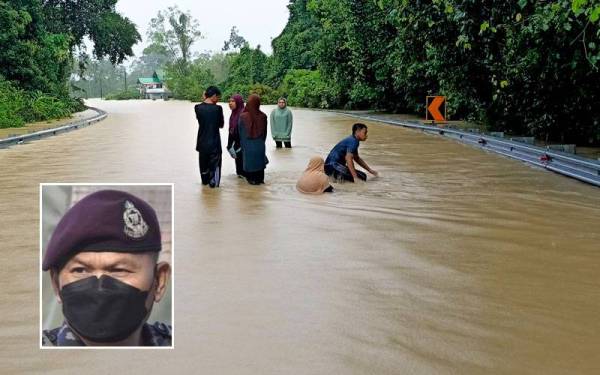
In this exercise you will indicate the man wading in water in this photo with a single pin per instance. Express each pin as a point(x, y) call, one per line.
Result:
point(340, 162)
point(208, 143)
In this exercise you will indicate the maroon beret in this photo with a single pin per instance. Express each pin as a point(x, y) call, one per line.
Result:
point(107, 220)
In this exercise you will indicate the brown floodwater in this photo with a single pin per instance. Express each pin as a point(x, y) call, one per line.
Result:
point(454, 261)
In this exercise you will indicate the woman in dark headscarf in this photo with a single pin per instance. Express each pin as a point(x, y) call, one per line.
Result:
point(236, 104)
point(252, 127)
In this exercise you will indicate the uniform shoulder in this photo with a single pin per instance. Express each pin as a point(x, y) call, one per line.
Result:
point(160, 333)
point(163, 328)
point(50, 337)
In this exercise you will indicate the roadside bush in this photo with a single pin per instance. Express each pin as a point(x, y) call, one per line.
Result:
point(306, 88)
point(44, 107)
point(18, 108)
point(12, 104)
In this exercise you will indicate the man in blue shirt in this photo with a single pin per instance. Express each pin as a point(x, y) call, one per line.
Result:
point(340, 162)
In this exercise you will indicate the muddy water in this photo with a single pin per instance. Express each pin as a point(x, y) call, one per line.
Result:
point(453, 261)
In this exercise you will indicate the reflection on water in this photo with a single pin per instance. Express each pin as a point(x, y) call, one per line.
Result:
point(453, 261)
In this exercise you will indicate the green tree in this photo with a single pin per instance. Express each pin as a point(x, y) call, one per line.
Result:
point(35, 64)
point(307, 88)
point(247, 67)
point(218, 64)
point(294, 47)
point(102, 78)
point(112, 34)
point(172, 34)
point(191, 84)
point(590, 41)
point(235, 41)
point(175, 31)
point(31, 57)
point(153, 58)
point(523, 66)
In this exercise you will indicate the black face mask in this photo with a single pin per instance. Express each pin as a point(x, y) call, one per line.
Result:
point(103, 309)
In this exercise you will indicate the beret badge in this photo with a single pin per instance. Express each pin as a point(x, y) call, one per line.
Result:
point(135, 226)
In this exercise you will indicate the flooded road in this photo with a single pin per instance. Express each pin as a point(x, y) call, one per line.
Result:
point(454, 261)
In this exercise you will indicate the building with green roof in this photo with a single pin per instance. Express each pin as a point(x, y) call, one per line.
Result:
point(153, 87)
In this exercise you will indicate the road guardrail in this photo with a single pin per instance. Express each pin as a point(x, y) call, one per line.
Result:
point(19, 139)
point(586, 170)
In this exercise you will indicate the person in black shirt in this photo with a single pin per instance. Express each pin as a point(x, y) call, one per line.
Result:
point(208, 143)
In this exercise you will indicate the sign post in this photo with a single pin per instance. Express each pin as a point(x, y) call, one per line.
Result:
point(433, 113)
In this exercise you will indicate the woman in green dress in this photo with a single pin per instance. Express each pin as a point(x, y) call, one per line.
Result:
point(281, 124)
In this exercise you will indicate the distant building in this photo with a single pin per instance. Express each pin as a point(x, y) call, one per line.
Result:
point(153, 87)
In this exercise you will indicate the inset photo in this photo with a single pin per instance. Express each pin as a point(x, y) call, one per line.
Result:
point(106, 265)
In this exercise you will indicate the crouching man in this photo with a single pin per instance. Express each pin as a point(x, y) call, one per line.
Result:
point(340, 161)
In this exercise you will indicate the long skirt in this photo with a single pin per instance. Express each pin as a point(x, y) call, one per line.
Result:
point(255, 178)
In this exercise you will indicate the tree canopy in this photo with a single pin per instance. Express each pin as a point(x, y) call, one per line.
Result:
point(525, 67)
point(38, 40)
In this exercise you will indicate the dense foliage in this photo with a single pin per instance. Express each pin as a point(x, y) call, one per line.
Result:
point(188, 81)
point(293, 48)
point(38, 40)
point(519, 66)
point(306, 88)
point(18, 106)
point(100, 79)
point(523, 66)
point(527, 67)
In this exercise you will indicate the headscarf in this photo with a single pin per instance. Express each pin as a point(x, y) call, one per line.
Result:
point(284, 109)
point(313, 180)
point(253, 119)
point(235, 114)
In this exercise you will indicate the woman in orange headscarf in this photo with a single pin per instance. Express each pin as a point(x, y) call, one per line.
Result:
point(314, 180)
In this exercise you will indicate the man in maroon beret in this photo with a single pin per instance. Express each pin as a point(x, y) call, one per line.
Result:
point(103, 264)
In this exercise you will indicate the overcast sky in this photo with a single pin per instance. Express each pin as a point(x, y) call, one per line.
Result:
point(257, 21)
